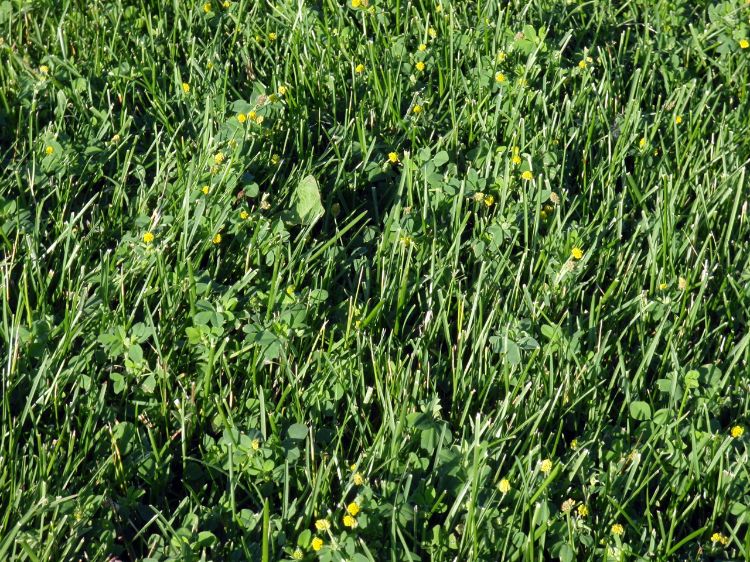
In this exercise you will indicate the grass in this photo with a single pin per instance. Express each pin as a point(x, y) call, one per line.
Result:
point(274, 290)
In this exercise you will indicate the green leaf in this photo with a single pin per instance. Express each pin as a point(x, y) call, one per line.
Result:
point(306, 204)
point(567, 554)
point(297, 431)
point(640, 410)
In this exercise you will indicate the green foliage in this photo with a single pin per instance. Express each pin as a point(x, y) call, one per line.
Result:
point(374, 280)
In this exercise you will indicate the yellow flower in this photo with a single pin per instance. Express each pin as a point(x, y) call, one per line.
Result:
point(499, 77)
point(504, 486)
point(244, 215)
point(148, 237)
point(577, 253)
point(317, 544)
point(568, 504)
point(438, 8)
point(432, 32)
point(275, 159)
point(226, 3)
point(501, 56)
point(44, 69)
point(356, 3)
point(417, 109)
point(582, 64)
point(393, 157)
point(583, 511)
point(574, 444)
point(185, 87)
point(283, 90)
point(422, 47)
point(205, 189)
point(516, 159)
point(718, 537)
point(252, 115)
point(420, 66)
point(218, 158)
point(617, 529)
point(298, 554)
point(744, 43)
point(642, 142)
point(678, 119)
point(359, 69)
point(322, 525)
point(207, 7)
point(352, 508)
point(241, 117)
point(216, 239)
point(349, 521)
point(681, 283)
point(259, 119)
point(527, 175)
point(663, 286)
point(49, 150)
point(737, 431)
point(272, 36)
point(545, 466)
point(255, 444)
point(489, 200)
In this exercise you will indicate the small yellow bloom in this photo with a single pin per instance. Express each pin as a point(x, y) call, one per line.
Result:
point(432, 32)
point(678, 119)
point(737, 431)
point(352, 508)
point(422, 47)
point(527, 175)
point(663, 286)
point(49, 150)
point(583, 511)
point(241, 117)
point(205, 189)
point(252, 115)
point(617, 529)
point(681, 283)
point(322, 524)
point(275, 159)
point(272, 36)
point(499, 77)
point(283, 90)
point(744, 43)
point(148, 237)
point(255, 444)
point(417, 109)
point(642, 142)
point(216, 239)
point(259, 119)
point(349, 521)
point(516, 159)
point(501, 56)
point(226, 3)
point(356, 3)
point(298, 554)
point(489, 200)
point(419, 66)
point(393, 157)
point(719, 538)
point(574, 444)
point(244, 215)
point(545, 466)
point(359, 69)
point(317, 544)
point(44, 69)
point(504, 486)
point(568, 504)
point(438, 8)
point(582, 64)
point(207, 7)
point(218, 158)
point(358, 479)
point(577, 253)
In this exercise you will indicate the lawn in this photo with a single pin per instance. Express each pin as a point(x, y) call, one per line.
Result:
point(385, 280)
